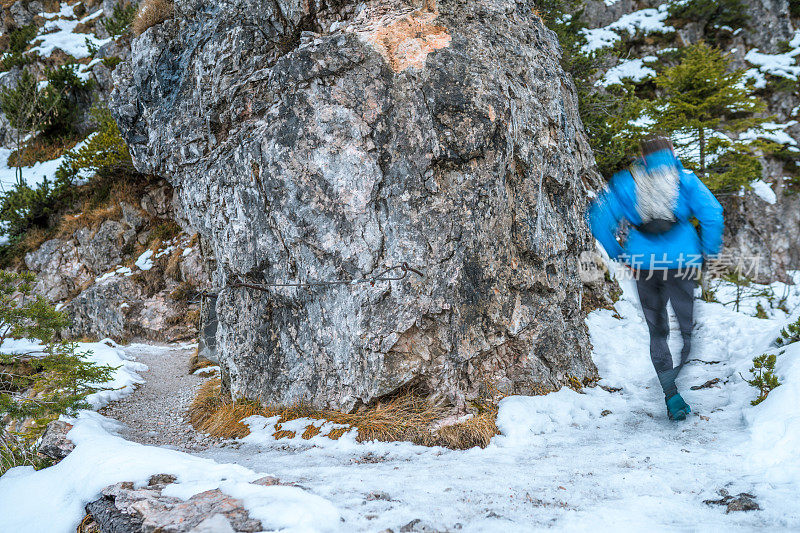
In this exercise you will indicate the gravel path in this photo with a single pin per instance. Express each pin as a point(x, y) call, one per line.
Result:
point(156, 413)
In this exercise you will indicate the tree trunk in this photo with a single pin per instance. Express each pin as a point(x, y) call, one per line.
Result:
point(702, 152)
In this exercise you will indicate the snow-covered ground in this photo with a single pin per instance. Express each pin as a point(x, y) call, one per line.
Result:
point(104, 352)
point(59, 34)
point(599, 460)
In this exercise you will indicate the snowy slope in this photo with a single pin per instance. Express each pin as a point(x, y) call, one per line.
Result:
point(562, 461)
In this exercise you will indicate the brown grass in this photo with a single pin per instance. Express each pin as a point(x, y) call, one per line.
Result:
point(407, 416)
point(40, 149)
point(195, 363)
point(88, 525)
point(92, 218)
point(14, 257)
point(212, 414)
point(34, 238)
point(152, 12)
point(476, 431)
point(91, 212)
point(173, 268)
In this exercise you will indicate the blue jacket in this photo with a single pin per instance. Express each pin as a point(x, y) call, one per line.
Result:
point(680, 247)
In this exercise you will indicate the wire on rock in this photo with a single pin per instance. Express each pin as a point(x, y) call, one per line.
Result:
point(393, 273)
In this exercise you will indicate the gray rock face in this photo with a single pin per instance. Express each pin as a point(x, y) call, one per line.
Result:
point(54, 443)
point(100, 310)
point(764, 236)
point(101, 248)
point(123, 508)
point(60, 271)
point(326, 144)
point(93, 275)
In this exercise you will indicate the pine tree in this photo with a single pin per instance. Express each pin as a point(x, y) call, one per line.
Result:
point(701, 101)
point(764, 378)
point(51, 111)
point(789, 334)
point(37, 386)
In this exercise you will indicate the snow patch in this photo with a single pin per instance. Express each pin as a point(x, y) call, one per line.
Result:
point(522, 419)
point(771, 132)
point(598, 38)
point(782, 65)
point(775, 424)
point(628, 69)
point(646, 21)
point(764, 191)
point(60, 34)
point(123, 380)
point(145, 261)
point(33, 175)
point(206, 371)
point(759, 81)
point(263, 428)
point(53, 499)
point(118, 271)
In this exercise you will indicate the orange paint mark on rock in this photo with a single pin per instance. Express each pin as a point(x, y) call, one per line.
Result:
point(406, 42)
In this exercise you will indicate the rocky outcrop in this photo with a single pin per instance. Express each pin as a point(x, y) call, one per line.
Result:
point(330, 140)
point(764, 236)
point(756, 228)
point(124, 508)
point(54, 443)
point(95, 275)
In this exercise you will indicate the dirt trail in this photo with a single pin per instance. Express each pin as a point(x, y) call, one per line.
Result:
point(156, 413)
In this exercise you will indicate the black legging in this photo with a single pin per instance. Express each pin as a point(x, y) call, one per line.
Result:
point(677, 287)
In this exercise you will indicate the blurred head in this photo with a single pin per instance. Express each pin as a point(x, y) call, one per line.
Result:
point(655, 144)
point(658, 151)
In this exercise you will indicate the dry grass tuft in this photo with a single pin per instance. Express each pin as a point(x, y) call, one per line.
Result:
point(152, 12)
point(212, 414)
point(173, 268)
point(99, 205)
point(310, 432)
point(41, 149)
point(88, 219)
point(475, 431)
point(88, 525)
point(407, 416)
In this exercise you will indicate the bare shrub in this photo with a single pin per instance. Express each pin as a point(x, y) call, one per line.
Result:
point(152, 12)
point(406, 416)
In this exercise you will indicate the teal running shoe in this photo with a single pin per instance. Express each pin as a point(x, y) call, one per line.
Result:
point(677, 408)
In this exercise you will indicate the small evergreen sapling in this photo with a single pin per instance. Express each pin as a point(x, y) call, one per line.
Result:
point(764, 378)
point(105, 152)
point(24, 208)
point(789, 334)
point(712, 15)
point(121, 18)
point(50, 111)
point(607, 113)
point(18, 40)
point(37, 386)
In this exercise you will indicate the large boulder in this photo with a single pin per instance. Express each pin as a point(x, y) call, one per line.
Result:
point(125, 508)
point(101, 248)
point(60, 271)
point(330, 140)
